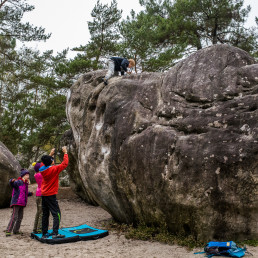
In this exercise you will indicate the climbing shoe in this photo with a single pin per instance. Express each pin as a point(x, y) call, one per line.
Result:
point(37, 231)
point(45, 236)
point(54, 236)
point(18, 233)
point(7, 233)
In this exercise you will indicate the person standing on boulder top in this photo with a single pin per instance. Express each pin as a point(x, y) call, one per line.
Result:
point(118, 64)
point(49, 190)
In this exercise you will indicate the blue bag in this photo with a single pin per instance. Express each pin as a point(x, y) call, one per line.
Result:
point(228, 249)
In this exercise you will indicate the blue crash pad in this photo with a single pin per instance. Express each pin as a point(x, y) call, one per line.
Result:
point(73, 234)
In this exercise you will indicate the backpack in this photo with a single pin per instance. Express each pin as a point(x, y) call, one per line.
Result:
point(228, 249)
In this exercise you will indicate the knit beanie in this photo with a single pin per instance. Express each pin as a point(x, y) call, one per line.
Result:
point(36, 166)
point(24, 172)
point(47, 160)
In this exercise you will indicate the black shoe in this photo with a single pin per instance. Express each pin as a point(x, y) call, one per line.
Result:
point(54, 236)
point(18, 233)
point(37, 231)
point(45, 236)
point(105, 81)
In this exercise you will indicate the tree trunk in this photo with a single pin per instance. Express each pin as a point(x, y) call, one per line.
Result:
point(36, 154)
point(214, 32)
point(135, 58)
point(1, 94)
point(198, 41)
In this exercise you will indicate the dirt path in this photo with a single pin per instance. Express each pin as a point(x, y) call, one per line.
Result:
point(75, 212)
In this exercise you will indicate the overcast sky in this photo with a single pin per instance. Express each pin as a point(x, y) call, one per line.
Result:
point(67, 20)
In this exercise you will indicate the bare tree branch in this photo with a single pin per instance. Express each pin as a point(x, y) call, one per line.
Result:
point(2, 3)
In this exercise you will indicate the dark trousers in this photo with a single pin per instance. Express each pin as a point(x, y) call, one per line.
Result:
point(16, 219)
point(50, 204)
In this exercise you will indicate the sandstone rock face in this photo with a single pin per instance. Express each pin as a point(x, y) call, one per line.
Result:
point(75, 179)
point(178, 148)
point(9, 168)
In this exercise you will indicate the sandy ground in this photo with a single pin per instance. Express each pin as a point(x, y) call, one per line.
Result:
point(74, 213)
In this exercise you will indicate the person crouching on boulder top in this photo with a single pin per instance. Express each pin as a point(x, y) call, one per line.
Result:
point(49, 189)
point(118, 64)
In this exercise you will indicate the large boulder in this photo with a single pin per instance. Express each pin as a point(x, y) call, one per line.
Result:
point(9, 168)
point(178, 148)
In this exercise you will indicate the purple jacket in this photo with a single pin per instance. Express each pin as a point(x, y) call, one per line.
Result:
point(20, 192)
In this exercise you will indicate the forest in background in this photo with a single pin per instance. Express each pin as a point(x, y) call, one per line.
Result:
point(33, 85)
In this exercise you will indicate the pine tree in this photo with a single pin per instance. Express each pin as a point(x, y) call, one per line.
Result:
point(34, 103)
point(104, 35)
point(11, 13)
point(12, 29)
point(32, 88)
point(194, 24)
point(140, 43)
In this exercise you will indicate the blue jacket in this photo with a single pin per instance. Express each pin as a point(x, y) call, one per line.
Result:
point(121, 64)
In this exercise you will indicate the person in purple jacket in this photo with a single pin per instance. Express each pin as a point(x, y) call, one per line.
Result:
point(38, 217)
point(19, 201)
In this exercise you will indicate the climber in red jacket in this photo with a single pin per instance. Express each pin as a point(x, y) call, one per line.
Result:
point(49, 189)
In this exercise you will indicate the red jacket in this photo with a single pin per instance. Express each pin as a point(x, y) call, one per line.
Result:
point(50, 177)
